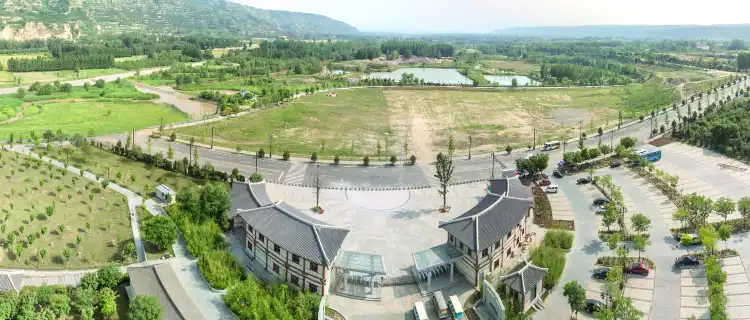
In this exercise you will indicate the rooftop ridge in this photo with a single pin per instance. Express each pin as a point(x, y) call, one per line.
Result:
point(320, 245)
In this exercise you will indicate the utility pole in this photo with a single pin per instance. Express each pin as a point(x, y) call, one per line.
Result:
point(493, 165)
point(470, 140)
point(565, 143)
point(611, 140)
point(212, 137)
point(270, 144)
point(533, 143)
point(256, 161)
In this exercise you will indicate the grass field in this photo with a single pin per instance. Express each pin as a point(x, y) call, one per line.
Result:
point(28, 78)
point(81, 207)
point(426, 117)
point(113, 109)
point(522, 68)
point(304, 125)
point(100, 162)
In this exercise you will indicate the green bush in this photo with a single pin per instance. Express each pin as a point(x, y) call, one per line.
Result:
point(560, 239)
point(199, 237)
point(256, 177)
point(286, 156)
point(3, 117)
point(220, 269)
point(31, 110)
point(252, 300)
point(551, 258)
point(10, 112)
point(610, 261)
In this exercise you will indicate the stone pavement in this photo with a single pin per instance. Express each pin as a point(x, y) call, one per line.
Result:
point(641, 290)
point(654, 196)
point(736, 288)
point(561, 209)
point(693, 293)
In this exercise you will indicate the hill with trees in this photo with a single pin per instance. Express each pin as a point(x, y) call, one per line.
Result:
point(80, 17)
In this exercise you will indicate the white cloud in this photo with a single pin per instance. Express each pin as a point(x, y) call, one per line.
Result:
point(487, 15)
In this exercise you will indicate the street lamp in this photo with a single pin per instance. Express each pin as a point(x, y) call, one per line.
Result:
point(270, 144)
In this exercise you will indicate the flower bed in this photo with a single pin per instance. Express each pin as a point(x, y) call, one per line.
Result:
point(604, 235)
point(543, 212)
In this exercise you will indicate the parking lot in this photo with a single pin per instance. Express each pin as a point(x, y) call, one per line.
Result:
point(561, 208)
point(694, 291)
point(638, 288)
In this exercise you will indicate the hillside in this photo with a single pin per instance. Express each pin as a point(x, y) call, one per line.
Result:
point(27, 19)
point(739, 31)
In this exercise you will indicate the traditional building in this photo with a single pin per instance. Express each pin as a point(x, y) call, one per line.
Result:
point(524, 283)
point(292, 246)
point(491, 234)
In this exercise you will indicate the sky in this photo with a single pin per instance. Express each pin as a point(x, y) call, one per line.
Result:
point(440, 16)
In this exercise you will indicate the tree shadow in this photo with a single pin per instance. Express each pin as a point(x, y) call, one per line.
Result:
point(593, 247)
point(413, 214)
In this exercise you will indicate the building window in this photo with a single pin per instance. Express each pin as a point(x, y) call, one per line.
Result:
point(468, 251)
point(261, 238)
point(276, 248)
point(497, 245)
point(450, 238)
point(295, 258)
point(507, 252)
point(249, 229)
point(275, 268)
point(461, 246)
point(485, 253)
point(509, 234)
point(314, 266)
point(497, 263)
point(295, 280)
point(250, 246)
point(313, 288)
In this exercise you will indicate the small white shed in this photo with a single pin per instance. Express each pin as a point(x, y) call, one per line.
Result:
point(165, 194)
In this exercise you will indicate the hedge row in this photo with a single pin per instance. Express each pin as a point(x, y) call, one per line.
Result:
point(543, 212)
point(610, 261)
point(220, 269)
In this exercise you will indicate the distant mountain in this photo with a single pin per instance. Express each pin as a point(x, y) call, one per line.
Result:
point(25, 19)
point(737, 31)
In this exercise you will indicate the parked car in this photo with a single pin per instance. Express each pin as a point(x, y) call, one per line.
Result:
point(600, 273)
point(600, 201)
point(601, 209)
point(545, 182)
point(551, 188)
point(558, 174)
point(638, 268)
point(593, 305)
point(585, 180)
point(686, 260)
point(615, 164)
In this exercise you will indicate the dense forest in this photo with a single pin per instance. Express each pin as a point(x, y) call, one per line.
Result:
point(99, 52)
point(719, 127)
point(418, 49)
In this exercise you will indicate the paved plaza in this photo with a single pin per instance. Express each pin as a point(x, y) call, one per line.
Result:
point(694, 291)
point(561, 208)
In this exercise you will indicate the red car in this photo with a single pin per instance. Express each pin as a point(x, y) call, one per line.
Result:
point(545, 182)
point(638, 268)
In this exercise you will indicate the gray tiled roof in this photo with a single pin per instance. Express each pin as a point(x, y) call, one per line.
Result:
point(296, 232)
point(161, 282)
point(525, 275)
point(493, 217)
point(247, 196)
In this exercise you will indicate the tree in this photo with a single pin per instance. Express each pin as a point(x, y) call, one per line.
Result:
point(20, 93)
point(40, 257)
point(627, 142)
point(708, 237)
point(443, 172)
point(451, 146)
point(640, 243)
point(109, 276)
point(609, 216)
point(173, 136)
point(159, 230)
point(67, 253)
point(724, 207)
point(144, 307)
point(19, 250)
point(743, 207)
point(514, 82)
point(314, 157)
point(640, 222)
point(576, 295)
point(127, 251)
point(107, 302)
point(699, 208)
point(725, 232)
point(508, 149)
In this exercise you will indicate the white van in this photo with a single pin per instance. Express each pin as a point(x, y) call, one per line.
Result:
point(551, 188)
point(442, 307)
point(420, 313)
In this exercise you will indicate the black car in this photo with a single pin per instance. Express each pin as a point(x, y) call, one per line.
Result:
point(686, 260)
point(600, 201)
point(615, 164)
point(593, 306)
point(557, 174)
point(585, 180)
point(600, 273)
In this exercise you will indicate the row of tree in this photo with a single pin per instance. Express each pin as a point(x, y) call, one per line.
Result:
point(65, 62)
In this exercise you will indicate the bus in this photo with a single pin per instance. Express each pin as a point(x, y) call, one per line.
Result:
point(651, 155)
point(442, 307)
point(552, 145)
point(420, 313)
point(456, 308)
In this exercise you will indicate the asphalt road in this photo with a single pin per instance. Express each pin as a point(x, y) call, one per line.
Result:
point(479, 167)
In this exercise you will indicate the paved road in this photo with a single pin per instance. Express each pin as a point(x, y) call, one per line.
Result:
point(479, 167)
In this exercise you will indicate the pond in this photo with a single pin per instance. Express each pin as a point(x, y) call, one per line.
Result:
point(449, 76)
point(506, 80)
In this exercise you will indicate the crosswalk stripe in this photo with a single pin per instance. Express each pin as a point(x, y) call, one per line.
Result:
point(296, 173)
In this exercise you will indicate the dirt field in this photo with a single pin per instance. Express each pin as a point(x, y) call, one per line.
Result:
point(496, 118)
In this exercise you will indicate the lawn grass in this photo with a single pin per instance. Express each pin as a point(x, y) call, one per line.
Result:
point(100, 162)
point(303, 125)
point(24, 202)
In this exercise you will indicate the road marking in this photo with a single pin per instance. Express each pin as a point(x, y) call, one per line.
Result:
point(296, 173)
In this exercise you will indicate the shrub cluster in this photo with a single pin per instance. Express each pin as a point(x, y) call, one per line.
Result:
point(220, 268)
point(716, 278)
point(560, 239)
point(252, 300)
point(552, 259)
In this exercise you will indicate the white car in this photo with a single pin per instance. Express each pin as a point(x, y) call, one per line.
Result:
point(551, 188)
